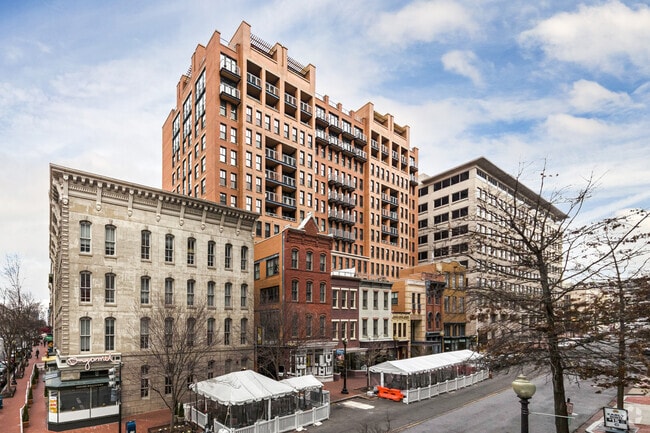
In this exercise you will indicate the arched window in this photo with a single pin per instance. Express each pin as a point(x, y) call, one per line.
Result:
point(109, 248)
point(145, 245)
point(191, 329)
point(169, 248)
point(244, 258)
point(84, 236)
point(144, 332)
point(84, 334)
point(244, 296)
point(169, 331)
point(109, 333)
point(227, 329)
point(210, 329)
point(244, 331)
point(228, 256)
point(294, 258)
point(85, 280)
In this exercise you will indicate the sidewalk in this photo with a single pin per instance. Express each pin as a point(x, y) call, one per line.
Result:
point(637, 403)
point(10, 416)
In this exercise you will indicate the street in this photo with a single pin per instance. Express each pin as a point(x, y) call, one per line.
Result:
point(490, 406)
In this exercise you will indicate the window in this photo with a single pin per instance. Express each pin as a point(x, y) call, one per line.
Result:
point(145, 290)
point(211, 286)
point(308, 290)
point(335, 298)
point(323, 293)
point(210, 330)
point(294, 259)
point(190, 292)
point(84, 236)
point(323, 262)
point(364, 327)
point(144, 381)
point(145, 245)
point(364, 300)
point(169, 291)
point(110, 241)
point(144, 332)
point(272, 267)
point(244, 296)
point(211, 247)
point(191, 331)
point(308, 325)
point(244, 258)
point(109, 291)
point(309, 261)
point(169, 248)
point(228, 256)
point(227, 329)
point(243, 327)
point(169, 331)
point(321, 326)
point(168, 385)
point(294, 290)
point(211, 364)
point(109, 333)
point(84, 334)
point(84, 286)
point(227, 295)
point(191, 243)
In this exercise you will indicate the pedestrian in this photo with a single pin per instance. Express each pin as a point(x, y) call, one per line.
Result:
point(37, 353)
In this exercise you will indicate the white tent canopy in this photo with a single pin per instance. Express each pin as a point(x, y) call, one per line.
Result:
point(425, 363)
point(302, 383)
point(241, 387)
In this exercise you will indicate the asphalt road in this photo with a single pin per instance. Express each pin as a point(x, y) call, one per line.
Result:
point(490, 406)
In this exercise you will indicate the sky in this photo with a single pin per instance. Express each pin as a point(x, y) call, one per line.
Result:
point(555, 83)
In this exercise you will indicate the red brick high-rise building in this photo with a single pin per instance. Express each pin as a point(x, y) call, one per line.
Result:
point(249, 130)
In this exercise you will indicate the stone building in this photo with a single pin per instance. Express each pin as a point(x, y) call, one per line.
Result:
point(121, 252)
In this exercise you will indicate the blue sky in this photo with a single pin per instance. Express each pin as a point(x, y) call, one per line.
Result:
point(88, 84)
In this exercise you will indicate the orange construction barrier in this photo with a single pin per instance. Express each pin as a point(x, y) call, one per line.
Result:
point(389, 393)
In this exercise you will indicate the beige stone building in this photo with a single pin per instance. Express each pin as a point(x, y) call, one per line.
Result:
point(120, 251)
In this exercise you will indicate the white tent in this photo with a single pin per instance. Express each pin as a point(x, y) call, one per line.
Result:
point(425, 363)
point(241, 387)
point(302, 383)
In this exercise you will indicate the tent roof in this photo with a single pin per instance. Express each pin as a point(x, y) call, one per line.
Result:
point(241, 387)
point(301, 383)
point(424, 363)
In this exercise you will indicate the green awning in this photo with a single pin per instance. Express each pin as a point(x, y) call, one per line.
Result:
point(56, 382)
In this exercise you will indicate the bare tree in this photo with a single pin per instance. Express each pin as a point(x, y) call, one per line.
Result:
point(616, 316)
point(176, 344)
point(19, 314)
point(284, 332)
point(531, 256)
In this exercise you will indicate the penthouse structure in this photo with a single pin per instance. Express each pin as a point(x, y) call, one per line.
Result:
point(249, 131)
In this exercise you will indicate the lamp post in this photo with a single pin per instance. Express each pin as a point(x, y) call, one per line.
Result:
point(345, 366)
point(524, 389)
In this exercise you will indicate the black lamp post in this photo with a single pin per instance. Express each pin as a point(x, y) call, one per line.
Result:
point(524, 389)
point(345, 366)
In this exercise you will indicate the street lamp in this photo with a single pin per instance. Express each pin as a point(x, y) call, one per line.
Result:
point(524, 389)
point(345, 366)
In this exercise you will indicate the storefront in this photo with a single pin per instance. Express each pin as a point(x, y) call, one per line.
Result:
point(83, 391)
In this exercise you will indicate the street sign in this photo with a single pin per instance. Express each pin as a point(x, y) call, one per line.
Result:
point(615, 418)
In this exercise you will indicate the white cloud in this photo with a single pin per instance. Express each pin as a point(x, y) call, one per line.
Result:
point(606, 37)
point(565, 126)
point(423, 21)
point(463, 63)
point(589, 96)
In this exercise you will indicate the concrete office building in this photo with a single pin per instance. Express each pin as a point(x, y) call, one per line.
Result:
point(120, 252)
point(464, 200)
point(249, 131)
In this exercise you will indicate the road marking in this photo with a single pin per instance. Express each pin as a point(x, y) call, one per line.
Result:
point(357, 405)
